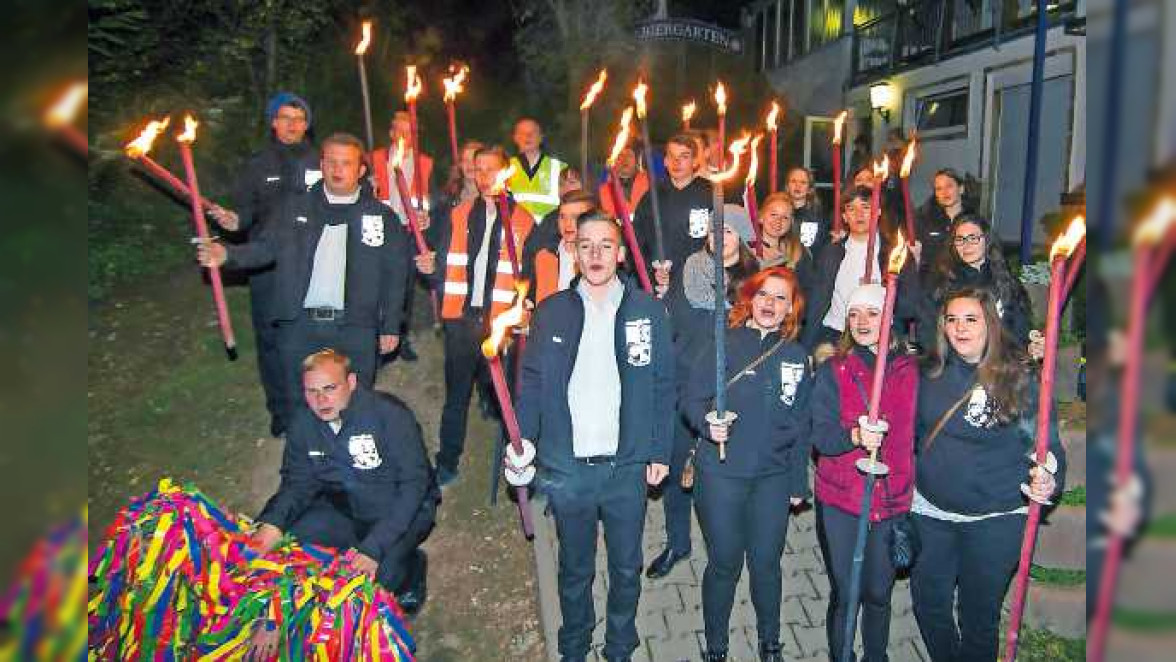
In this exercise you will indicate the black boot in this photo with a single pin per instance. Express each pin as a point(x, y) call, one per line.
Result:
point(412, 599)
point(665, 562)
point(770, 652)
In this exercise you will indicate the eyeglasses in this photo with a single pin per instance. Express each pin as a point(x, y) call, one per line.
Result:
point(972, 239)
point(291, 119)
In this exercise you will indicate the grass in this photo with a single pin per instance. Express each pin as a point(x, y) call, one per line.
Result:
point(1144, 621)
point(1163, 527)
point(1074, 497)
point(1044, 646)
point(1058, 576)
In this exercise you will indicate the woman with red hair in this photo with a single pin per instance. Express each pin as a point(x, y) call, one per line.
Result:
point(742, 500)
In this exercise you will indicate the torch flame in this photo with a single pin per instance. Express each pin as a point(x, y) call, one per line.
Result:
point(898, 255)
point(141, 145)
point(622, 136)
point(688, 110)
point(593, 91)
point(501, 178)
point(398, 157)
point(1158, 224)
point(721, 98)
point(753, 168)
point(737, 149)
point(189, 134)
point(908, 159)
point(366, 40)
point(510, 317)
point(639, 97)
point(412, 87)
point(63, 111)
point(453, 85)
point(882, 169)
point(772, 114)
point(1068, 240)
point(838, 125)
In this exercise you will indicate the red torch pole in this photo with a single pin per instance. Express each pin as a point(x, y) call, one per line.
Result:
point(512, 431)
point(410, 211)
point(622, 209)
point(908, 209)
point(838, 126)
point(753, 216)
point(772, 172)
point(1041, 445)
point(504, 211)
point(451, 112)
point(214, 275)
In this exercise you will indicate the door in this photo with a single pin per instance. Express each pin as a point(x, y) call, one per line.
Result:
point(818, 156)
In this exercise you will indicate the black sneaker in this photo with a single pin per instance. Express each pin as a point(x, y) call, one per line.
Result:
point(665, 562)
point(407, 353)
point(414, 596)
point(277, 427)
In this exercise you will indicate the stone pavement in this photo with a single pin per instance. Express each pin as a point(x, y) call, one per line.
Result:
point(669, 616)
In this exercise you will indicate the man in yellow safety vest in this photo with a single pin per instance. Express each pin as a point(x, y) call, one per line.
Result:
point(535, 182)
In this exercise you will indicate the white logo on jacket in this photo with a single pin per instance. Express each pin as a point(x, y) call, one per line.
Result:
point(700, 222)
point(373, 230)
point(808, 233)
point(791, 375)
point(979, 412)
point(364, 454)
point(639, 342)
point(312, 177)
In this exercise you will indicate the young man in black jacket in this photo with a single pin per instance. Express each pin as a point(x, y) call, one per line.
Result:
point(597, 394)
point(289, 163)
point(354, 477)
point(340, 258)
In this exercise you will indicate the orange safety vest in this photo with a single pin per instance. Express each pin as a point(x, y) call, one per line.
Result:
point(458, 260)
point(546, 274)
point(640, 188)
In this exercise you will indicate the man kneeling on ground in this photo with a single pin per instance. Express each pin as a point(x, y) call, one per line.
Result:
point(355, 477)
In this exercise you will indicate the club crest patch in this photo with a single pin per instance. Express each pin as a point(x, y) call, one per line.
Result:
point(364, 454)
point(373, 230)
point(639, 342)
point(791, 375)
point(979, 413)
point(311, 177)
point(808, 233)
point(700, 222)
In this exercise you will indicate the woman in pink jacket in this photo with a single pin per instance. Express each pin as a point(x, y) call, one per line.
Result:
point(840, 399)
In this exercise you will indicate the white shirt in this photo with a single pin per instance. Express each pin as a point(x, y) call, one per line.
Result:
point(328, 276)
point(567, 266)
point(849, 277)
point(594, 390)
point(479, 282)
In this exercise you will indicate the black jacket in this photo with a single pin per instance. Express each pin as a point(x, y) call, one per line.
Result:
point(374, 470)
point(771, 435)
point(644, 359)
point(975, 466)
point(377, 257)
point(678, 208)
point(273, 172)
point(1016, 312)
point(819, 290)
point(933, 229)
point(809, 214)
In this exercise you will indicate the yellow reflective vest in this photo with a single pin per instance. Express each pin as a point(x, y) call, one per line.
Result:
point(539, 194)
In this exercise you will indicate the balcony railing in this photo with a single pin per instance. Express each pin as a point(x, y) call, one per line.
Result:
point(927, 31)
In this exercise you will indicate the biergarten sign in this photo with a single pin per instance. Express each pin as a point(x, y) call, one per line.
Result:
point(685, 29)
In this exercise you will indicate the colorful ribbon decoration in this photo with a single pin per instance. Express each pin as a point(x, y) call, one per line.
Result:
point(176, 579)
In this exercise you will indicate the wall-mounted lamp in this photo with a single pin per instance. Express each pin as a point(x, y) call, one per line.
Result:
point(882, 97)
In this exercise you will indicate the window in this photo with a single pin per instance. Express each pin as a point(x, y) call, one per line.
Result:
point(948, 110)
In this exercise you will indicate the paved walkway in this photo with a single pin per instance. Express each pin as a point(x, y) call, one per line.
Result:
point(669, 617)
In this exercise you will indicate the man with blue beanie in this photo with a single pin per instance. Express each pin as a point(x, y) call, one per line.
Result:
point(288, 163)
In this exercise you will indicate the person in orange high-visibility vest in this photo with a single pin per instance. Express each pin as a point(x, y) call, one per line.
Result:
point(549, 258)
point(634, 183)
point(474, 274)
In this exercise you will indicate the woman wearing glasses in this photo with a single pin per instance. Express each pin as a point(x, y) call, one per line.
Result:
point(971, 260)
point(743, 499)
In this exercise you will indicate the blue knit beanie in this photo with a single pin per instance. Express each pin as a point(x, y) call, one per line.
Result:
point(286, 99)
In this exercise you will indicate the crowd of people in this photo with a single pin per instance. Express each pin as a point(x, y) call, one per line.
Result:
point(616, 393)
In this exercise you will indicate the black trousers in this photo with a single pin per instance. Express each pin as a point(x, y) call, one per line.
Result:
point(837, 532)
point(613, 496)
point(972, 562)
point(742, 518)
point(464, 366)
point(325, 524)
point(269, 356)
point(303, 337)
point(675, 500)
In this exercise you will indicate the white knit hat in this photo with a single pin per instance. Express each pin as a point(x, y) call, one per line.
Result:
point(871, 295)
